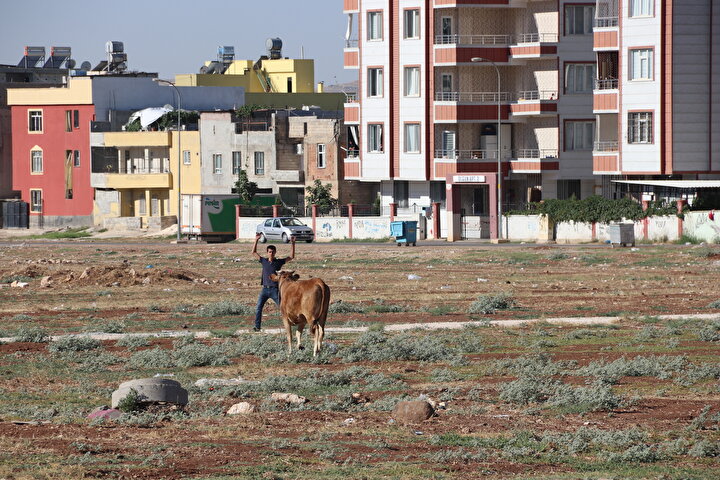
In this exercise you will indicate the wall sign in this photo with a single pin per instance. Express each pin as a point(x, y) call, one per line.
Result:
point(469, 178)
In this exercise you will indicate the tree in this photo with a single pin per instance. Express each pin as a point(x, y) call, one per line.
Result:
point(245, 189)
point(321, 195)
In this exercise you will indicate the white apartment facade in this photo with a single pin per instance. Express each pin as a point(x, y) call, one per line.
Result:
point(657, 98)
point(425, 119)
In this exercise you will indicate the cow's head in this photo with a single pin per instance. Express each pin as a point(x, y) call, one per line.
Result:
point(284, 275)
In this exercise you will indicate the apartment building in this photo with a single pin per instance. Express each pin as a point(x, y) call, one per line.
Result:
point(657, 95)
point(451, 91)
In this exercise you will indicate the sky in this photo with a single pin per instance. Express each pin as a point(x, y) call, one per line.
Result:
point(178, 36)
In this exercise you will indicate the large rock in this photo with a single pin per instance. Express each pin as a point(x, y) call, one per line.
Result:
point(152, 390)
point(242, 408)
point(412, 412)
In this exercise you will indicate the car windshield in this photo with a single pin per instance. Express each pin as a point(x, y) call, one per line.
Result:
point(292, 222)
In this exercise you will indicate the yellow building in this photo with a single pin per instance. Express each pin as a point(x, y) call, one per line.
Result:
point(283, 75)
point(141, 180)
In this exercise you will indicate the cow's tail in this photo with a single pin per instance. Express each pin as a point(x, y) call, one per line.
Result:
point(324, 305)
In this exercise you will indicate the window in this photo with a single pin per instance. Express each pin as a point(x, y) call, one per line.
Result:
point(68, 120)
point(446, 82)
point(579, 19)
point(446, 26)
point(259, 163)
point(35, 120)
point(412, 81)
point(412, 138)
point(36, 201)
point(375, 140)
point(375, 26)
point(142, 204)
point(236, 163)
point(375, 82)
point(448, 144)
point(579, 77)
point(186, 157)
point(217, 163)
point(400, 193)
point(641, 64)
point(76, 158)
point(641, 8)
point(579, 135)
point(412, 23)
point(36, 161)
point(438, 193)
point(567, 189)
point(640, 127)
point(321, 155)
point(76, 118)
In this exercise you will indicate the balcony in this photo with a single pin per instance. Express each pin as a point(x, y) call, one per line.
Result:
point(447, 162)
point(534, 45)
point(352, 113)
point(351, 6)
point(478, 3)
point(535, 103)
point(605, 96)
point(140, 180)
point(351, 165)
point(533, 160)
point(474, 97)
point(454, 49)
point(603, 147)
point(351, 54)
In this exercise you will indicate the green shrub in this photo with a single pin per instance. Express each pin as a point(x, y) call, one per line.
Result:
point(133, 342)
point(524, 391)
point(345, 307)
point(107, 326)
point(487, 304)
point(715, 304)
point(663, 367)
point(710, 332)
point(21, 317)
point(74, 343)
point(582, 333)
point(151, 358)
point(443, 375)
point(379, 306)
point(32, 334)
point(225, 308)
point(379, 346)
point(705, 448)
point(637, 454)
point(200, 355)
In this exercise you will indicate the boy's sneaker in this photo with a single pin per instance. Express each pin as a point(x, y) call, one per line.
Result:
point(256, 329)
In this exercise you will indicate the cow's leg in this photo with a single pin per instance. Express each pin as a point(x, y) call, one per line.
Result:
point(298, 332)
point(288, 334)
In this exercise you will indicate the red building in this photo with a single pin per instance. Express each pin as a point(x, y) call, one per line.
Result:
point(51, 154)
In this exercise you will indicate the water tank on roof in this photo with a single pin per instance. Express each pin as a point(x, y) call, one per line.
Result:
point(114, 47)
point(274, 48)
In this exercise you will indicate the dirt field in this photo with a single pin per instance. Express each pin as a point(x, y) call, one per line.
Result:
point(637, 399)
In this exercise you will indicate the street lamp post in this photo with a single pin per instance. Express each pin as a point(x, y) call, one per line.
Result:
point(179, 198)
point(499, 167)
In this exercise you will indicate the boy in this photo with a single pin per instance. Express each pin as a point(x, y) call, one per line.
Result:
point(270, 265)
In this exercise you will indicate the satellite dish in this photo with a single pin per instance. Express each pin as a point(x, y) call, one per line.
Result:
point(85, 65)
point(70, 63)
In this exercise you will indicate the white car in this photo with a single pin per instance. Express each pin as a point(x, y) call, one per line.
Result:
point(284, 228)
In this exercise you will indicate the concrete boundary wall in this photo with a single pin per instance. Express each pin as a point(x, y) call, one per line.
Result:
point(332, 228)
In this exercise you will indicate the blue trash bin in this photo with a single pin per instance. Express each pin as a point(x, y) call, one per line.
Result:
point(404, 232)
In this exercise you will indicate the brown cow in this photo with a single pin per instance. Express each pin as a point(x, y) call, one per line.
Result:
point(303, 302)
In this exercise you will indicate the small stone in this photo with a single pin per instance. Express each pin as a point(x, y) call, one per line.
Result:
point(242, 408)
point(45, 282)
point(412, 412)
point(105, 412)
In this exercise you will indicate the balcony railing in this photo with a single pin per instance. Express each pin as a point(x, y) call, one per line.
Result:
point(479, 97)
point(537, 95)
point(351, 43)
point(467, 154)
point(142, 171)
point(604, 22)
point(351, 97)
point(473, 39)
point(605, 147)
point(536, 38)
point(535, 153)
point(492, 97)
point(606, 84)
point(352, 154)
